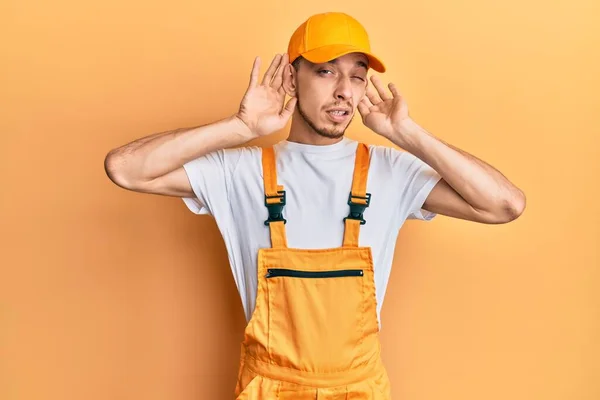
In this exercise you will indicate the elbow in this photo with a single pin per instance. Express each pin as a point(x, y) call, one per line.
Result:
point(114, 169)
point(518, 204)
point(513, 208)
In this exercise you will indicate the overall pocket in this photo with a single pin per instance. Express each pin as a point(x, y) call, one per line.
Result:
point(316, 317)
point(274, 272)
point(260, 388)
point(249, 390)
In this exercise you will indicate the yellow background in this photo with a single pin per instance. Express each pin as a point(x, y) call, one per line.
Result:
point(109, 294)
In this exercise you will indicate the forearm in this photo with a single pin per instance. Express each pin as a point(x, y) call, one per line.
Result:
point(156, 155)
point(478, 183)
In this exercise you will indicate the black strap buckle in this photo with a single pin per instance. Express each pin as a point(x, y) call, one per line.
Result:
point(275, 209)
point(357, 209)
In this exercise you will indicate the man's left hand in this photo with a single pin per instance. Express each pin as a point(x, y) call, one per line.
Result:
point(384, 112)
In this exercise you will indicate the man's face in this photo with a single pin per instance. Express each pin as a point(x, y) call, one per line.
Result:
point(329, 93)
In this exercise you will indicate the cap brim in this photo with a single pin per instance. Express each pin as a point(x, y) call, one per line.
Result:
point(328, 53)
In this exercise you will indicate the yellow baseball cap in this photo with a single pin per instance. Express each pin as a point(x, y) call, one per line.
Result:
point(326, 36)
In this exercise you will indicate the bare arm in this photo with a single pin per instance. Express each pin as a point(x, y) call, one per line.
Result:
point(470, 188)
point(154, 163)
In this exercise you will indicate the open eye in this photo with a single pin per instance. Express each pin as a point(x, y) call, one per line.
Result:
point(324, 71)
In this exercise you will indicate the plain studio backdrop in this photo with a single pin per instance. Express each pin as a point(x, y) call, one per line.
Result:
point(110, 294)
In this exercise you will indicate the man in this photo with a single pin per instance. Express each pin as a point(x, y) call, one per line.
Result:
point(313, 307)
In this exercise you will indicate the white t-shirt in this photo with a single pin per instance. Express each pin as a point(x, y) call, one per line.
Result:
point(228, 185)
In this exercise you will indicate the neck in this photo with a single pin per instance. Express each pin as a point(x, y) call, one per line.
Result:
point(301, 132)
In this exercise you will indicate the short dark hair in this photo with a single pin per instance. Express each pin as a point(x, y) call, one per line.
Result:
point(296, 62)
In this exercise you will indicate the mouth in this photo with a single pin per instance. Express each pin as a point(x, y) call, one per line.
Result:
point(338, 114)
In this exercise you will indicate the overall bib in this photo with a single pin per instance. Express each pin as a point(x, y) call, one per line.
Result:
point(314, 332)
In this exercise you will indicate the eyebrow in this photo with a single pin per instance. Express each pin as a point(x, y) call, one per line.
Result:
point(358, 63)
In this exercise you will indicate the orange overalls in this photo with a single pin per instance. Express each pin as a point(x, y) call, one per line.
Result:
point(314, 332)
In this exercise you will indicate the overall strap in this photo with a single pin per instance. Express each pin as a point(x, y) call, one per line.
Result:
point(274, 199)
point(358, 199)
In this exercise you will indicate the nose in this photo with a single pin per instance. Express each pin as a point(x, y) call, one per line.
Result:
point(343, 90)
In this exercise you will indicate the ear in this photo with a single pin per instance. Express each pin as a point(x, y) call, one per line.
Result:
point(290, 76)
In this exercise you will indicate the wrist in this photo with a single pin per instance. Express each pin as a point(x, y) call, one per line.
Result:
point(406, 132)
point(241, 128)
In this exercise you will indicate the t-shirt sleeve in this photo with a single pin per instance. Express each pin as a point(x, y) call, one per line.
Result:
point(418, 180)
point(210, 179)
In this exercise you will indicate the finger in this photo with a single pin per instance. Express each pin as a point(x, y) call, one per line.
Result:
point(272, 68)
point(372, 97)
point(254, 72)
point(394, 90)
point(278, 78)
point(287, 111)
point(281, 90)
point(363, 109)
point(383, 93)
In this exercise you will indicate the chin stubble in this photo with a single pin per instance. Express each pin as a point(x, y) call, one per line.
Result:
point(322, 132)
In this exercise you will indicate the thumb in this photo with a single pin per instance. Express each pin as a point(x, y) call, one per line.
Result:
point(289, 108)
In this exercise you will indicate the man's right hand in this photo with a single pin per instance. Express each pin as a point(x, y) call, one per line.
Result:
point(261, 109)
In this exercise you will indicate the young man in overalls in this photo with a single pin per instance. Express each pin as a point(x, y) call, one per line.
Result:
point(310, 223)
